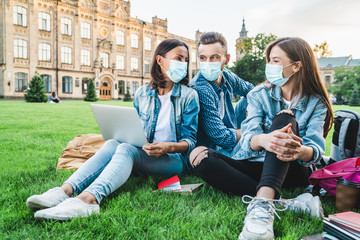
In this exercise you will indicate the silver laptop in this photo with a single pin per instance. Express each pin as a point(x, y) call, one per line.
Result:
point(119, 123)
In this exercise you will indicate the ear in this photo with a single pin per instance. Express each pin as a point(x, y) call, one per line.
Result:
point(159, 59)
point(227, 59)
point(297, 66)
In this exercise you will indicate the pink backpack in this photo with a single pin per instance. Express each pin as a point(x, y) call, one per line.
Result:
point(348, 169)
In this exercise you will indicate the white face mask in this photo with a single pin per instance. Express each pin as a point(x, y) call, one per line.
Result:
point(210, 70)
point(177, 70)
point(274, 74)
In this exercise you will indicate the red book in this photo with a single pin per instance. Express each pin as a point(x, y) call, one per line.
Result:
point(168, 182)
point(351, 219)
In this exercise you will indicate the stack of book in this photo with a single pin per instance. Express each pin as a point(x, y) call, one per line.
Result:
point(345, 225)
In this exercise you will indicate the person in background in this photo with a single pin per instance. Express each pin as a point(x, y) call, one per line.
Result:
point(53, 98)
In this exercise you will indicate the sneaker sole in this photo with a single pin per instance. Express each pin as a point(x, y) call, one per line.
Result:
point(36, 205)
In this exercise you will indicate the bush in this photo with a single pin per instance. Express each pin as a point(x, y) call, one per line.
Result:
point(127, 96)
point(36, 90)
point(91, 93)
point(355, 99)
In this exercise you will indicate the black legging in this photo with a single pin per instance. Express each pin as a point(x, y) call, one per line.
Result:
point(242, 177)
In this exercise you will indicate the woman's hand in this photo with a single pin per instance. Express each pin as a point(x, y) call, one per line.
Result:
point(283, 142)
point(156, 149)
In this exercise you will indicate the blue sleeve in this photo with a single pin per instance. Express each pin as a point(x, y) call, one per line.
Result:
point(136, 100)
point(252, 125)
point(314, 134)
point(240, 86)
point(189, 124)
point(211, 121)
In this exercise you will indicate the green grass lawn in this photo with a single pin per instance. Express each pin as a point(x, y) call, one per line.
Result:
point(32, 137)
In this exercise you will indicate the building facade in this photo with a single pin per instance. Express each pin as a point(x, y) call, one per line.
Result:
point(69, 42)
point(327, 66)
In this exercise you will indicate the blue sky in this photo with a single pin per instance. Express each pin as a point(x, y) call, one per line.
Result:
point(336, 21)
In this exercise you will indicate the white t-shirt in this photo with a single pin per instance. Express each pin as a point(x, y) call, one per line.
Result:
point(291, 104)
point(163, 130)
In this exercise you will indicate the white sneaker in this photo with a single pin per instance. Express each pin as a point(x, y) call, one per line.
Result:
point(306, 203)
point(50, 198)
point(68, 209)
point(259, 221)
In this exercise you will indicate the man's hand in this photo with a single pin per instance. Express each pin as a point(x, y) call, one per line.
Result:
point(156, 149)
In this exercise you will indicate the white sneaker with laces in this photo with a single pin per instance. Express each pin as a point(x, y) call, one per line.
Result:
point(68, 209)
point(259, 221)
point(48, 199)
point(306, 203)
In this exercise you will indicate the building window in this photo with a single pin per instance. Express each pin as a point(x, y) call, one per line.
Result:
point(19, 15)
point(120, 38)
point(67, 84)
point(66, 26)
point(134, 64)
point(120, 62)
point(85, 30)
point(147, 66)
point(66, 55)
point(47, 82)
point(121, 87)
point(193, 57)
point(21, 80)
point(84, 84)
point(104, 60)
point(85, 57)
point(328, 79)
point(20, 48)
point(135, 86)
point(134, 41)
point(147, 44)
point(44, 52)
point(44, 21)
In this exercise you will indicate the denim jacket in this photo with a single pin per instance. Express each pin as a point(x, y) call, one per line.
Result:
point(264, 103)
point(183, 117)
point(214, 131)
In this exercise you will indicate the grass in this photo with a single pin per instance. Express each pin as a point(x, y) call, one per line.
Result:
point(32, 137)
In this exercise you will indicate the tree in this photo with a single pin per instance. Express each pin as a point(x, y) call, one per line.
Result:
point(91, 93)
point(322, 50)
point(251, 67)
point(355, 98)
point(345, 80)
point(36, 91)
point(127, 96)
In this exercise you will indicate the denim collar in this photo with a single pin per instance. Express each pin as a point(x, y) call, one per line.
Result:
point(175, 91)
point(276, 95)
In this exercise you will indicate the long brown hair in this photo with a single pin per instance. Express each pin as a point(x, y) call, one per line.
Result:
point(157, 78)
point(308, 77)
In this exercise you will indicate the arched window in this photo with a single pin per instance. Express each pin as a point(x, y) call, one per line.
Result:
point(84, 85)
point(66, 26)
point(47, 82)
point(21, 80)
point(134, 41)
point(20, 48)
point(67, 84)
point(147, 66)
point(44, 21)
point(135, 86)
point(104, 60)
point(19, 14)
point(85, 30)
point(120, 38)
point(44, 52)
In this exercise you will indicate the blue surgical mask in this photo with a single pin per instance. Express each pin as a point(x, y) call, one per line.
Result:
point(210, 70)
point(177, 70)
point(274, 74)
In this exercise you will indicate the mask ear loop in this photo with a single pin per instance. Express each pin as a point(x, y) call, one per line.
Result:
point(288, 66)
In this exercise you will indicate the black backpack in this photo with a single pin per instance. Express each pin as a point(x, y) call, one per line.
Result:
point(346, 137)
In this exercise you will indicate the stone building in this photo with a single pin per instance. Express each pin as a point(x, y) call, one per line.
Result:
point(327, 66)
point(68, 42)
point(239, 41)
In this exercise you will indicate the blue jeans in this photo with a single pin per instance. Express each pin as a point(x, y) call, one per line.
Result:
point(112, 165)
